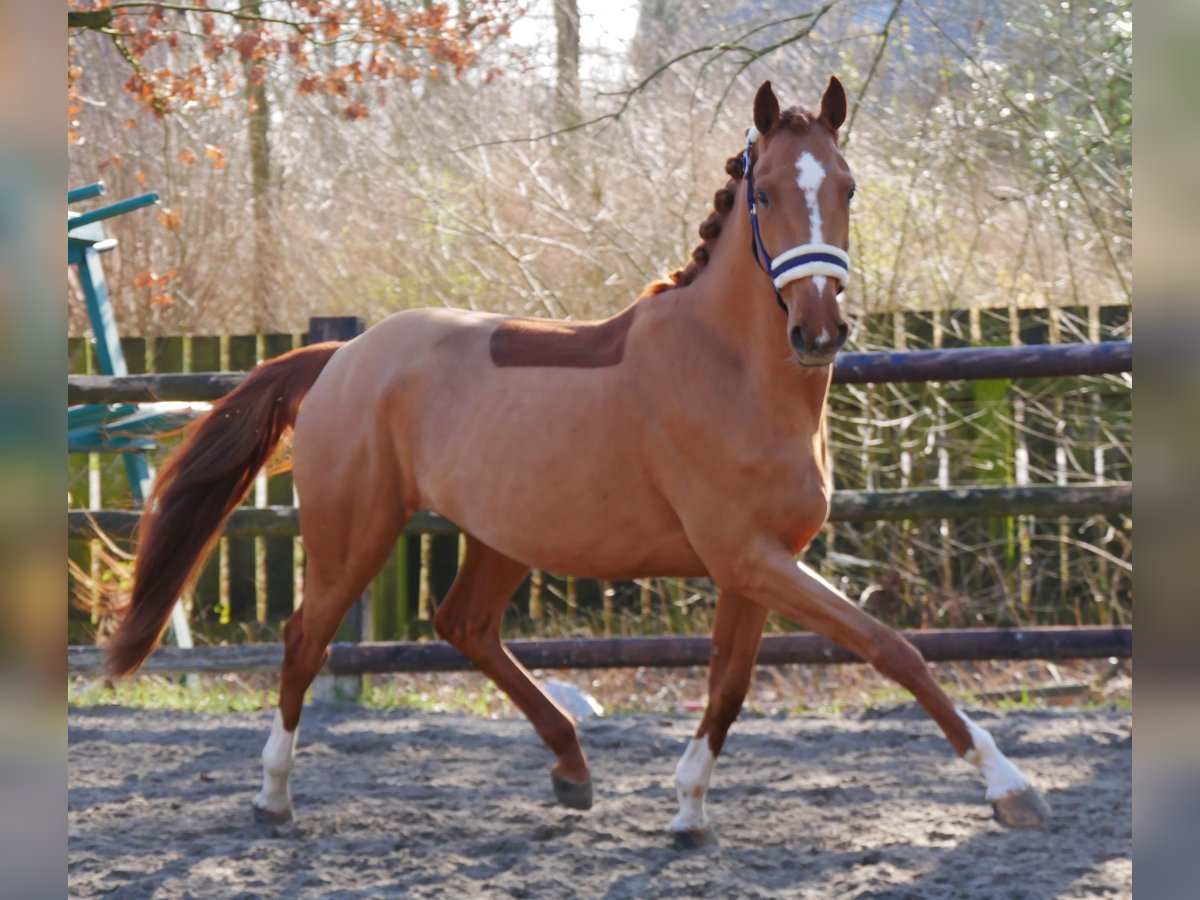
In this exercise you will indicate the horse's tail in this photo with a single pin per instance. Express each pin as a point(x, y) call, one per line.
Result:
point(200, 485)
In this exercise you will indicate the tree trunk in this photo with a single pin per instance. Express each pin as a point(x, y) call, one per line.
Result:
point(566, 24)
point(258, 120)
point(658, 22)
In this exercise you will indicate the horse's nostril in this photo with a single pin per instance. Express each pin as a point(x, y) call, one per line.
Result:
point(843, 333)
point(796, 336)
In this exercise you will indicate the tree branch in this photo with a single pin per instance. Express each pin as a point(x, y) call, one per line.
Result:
point(718, 49)
point(883, 42)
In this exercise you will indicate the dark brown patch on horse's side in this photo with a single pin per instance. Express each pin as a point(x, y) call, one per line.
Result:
point(570, 345)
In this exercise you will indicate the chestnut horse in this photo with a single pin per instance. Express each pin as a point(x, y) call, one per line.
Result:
point(689, 434)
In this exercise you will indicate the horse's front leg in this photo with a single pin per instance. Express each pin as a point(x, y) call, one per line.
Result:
point(735, 639)
point(767, 573)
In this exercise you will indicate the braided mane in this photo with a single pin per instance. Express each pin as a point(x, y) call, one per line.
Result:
point(795, 118)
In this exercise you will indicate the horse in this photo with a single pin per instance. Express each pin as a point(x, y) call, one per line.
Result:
point(690, 435)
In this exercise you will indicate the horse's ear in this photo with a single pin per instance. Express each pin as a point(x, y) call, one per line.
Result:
point(766, 108)
point(833, 104)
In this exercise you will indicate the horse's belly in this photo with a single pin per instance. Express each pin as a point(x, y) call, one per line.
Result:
point(557, 512)
point(619, 556)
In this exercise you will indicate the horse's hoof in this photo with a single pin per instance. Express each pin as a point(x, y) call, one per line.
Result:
point(1024, 809)
point(266, 816)
point(694, 839)
point(572, 794)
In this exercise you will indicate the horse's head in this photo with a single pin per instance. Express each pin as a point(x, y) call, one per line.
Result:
point(798, 190)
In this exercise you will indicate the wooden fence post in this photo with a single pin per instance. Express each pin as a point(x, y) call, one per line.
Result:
point(356, 626)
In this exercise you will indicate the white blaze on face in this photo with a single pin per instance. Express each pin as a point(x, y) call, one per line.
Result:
point(277, 766)
point(691, 784)
point(1002, 777)
point(811, 174)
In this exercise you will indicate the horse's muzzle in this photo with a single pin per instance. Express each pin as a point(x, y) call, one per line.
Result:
point(818, 349)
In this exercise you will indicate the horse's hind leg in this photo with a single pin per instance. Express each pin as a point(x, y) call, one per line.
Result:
point(736, 635)
point(470, 619)
point(343, 553)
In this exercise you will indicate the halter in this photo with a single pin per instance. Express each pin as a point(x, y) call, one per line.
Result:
point(802, 261)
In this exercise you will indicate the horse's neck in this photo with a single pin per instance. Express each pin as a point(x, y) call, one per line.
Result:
point(734, 301)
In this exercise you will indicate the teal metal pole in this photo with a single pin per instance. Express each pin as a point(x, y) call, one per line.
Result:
point(87, 192)
point(115, 209)
point(104, 324)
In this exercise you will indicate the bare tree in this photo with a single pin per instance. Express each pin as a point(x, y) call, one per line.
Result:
point(258, 133)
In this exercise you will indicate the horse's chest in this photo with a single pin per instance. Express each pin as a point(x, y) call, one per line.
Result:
point(789, 486)
point(782, 456)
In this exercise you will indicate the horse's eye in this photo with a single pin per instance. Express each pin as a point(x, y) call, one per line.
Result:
point(760, 196)
point(850, 196)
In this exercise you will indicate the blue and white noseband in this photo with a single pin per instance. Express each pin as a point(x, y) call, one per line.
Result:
point(803, 261)
point(808, 260)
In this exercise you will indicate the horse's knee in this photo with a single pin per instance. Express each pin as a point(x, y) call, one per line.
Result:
point(895, 657)
point(302, 654)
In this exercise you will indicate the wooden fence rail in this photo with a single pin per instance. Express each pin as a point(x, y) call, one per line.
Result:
point(942, 645)
point(847, 506)
point(966, 363)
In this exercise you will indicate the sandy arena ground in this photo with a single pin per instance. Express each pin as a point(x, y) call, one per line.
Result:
point(401, 803)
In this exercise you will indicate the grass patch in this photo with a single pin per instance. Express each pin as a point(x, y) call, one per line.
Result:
point(212, 694)
point(233, 694)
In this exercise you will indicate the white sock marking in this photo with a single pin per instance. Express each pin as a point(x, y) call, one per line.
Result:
point(1002, 777)
point(691, 784)
point(811, 175)
point(277, 766)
